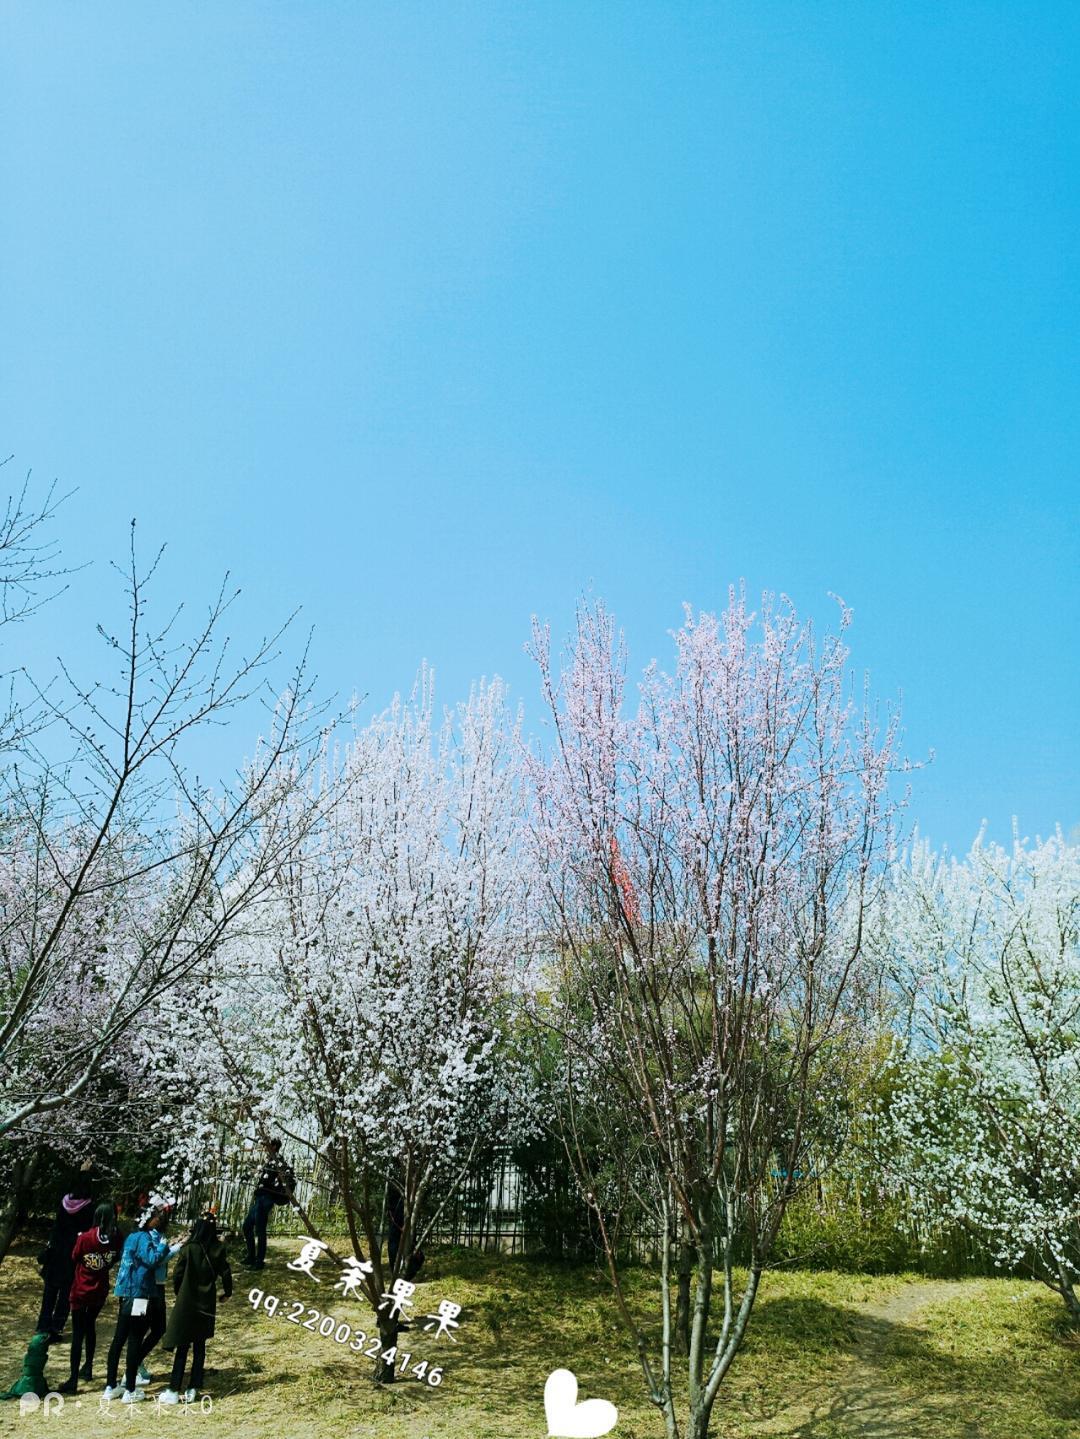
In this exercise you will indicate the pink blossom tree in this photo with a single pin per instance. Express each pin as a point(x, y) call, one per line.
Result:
point(708, 855)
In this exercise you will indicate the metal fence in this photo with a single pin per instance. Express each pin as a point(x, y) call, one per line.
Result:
point(501, 1207)
point(496, 1208)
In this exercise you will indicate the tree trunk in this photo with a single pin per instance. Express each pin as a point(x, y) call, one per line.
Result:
point(699, 1321)
point(386, 1370)
point(682, 1302)
point(22, 1181)
point(697, 1424)
point(702, 1401)
point(1067, 1291)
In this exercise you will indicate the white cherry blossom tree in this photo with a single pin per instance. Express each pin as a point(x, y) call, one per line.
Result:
point(364, 1025)
point(120, 872)
point(986, 1121)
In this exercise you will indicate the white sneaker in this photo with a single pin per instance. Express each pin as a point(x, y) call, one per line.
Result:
point(170, 1396)
point(144, 1376)
point(191, 1396)
point(112, 1391)
point(132, 1396)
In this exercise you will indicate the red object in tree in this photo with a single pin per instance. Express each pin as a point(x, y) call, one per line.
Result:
point(620, 878)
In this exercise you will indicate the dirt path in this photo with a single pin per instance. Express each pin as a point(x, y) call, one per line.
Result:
point(868, 1404)
point(860, 1402)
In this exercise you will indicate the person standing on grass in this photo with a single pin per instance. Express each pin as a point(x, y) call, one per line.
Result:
point(95, 1252)
point(74, 1215)
point(275, 1186)
point(156, 1312)
point(395, 1212)
point(203, 1263)
point(136, 1287)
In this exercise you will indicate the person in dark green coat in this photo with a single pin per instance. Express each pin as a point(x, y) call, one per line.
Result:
point(202, 1263)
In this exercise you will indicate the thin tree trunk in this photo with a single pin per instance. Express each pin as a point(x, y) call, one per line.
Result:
point(702, 1308)
point(701, 1406)
point(1068, 1292)
point(682, 1302)
point(22, 1182)
point(385, 1370)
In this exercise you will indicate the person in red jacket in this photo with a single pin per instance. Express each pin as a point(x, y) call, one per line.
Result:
point(96, 1251)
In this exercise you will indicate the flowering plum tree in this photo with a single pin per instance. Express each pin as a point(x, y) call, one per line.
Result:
point(120, 873)
point(363, 1026)
point(707, 860)
point(986, 1120)
point(63, 1023)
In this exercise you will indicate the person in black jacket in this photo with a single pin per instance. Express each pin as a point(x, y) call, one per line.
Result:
point(195, 1279)
point(395, 1212)
point(275, 1186)
point(74, 1214)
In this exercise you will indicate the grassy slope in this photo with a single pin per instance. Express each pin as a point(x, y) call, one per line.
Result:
point(829, 1356)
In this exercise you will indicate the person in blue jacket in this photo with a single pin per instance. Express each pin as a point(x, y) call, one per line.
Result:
point(156, 1312)
point(145, 1250)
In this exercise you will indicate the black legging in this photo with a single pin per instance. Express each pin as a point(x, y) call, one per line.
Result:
point(198, 1364)
point(83, 1330)
point(132, 1329)
point(156, 1326)
point(54, 1305)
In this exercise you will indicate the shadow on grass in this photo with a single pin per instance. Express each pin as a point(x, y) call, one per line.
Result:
point(883, 1380)
point(817, 1364)
point(803, 1325)
point(228, 1383)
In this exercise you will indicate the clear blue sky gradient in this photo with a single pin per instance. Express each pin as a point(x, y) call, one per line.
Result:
point(428, 317)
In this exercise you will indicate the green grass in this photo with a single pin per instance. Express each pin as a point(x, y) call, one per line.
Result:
point(1006, 1352)
point(828, 1356)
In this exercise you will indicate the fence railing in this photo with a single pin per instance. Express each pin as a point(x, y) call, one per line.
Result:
point(500, 1208)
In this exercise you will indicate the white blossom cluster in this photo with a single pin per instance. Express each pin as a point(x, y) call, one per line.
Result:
point(987, 1119)
point(363, 1019)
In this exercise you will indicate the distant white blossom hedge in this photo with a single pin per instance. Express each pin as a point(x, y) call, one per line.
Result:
point(987, 1118)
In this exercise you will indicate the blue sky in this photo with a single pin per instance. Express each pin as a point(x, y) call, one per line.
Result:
point(427, 317)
